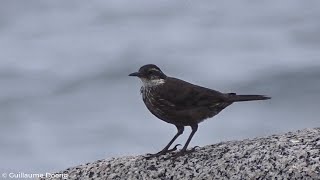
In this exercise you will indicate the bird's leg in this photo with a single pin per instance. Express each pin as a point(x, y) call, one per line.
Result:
point(184, 149)
point(166, 149)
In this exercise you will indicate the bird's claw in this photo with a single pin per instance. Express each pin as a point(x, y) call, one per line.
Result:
point(195, 148)
point(183, 152)
point(162, 152)
point(174, 148)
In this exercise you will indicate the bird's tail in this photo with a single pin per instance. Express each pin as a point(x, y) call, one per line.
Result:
point(234, 98)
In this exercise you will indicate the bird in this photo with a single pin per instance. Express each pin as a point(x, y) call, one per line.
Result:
point(182, 103)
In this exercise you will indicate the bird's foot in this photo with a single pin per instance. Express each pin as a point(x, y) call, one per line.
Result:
point(162, 152)
point(183, 152)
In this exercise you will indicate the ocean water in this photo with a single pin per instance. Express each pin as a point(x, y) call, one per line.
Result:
point(66, 98)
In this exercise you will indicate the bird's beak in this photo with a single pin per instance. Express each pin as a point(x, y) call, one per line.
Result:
point(135, 74)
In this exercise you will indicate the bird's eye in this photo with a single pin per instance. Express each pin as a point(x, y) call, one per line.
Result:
point(150, 72)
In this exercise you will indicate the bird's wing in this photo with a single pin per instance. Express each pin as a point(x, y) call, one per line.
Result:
point(184, 95)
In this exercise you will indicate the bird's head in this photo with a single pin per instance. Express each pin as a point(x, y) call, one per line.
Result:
point(150, 75)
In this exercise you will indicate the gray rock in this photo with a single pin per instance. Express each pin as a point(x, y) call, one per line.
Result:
point(294, 155)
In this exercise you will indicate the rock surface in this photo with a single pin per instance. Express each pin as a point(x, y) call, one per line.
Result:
point(294, 155)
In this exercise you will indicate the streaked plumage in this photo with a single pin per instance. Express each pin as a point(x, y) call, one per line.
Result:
point(181, 103)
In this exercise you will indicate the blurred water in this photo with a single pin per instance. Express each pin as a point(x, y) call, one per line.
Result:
point(66, 99)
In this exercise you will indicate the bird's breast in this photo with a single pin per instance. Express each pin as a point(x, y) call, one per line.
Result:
point(156, 105)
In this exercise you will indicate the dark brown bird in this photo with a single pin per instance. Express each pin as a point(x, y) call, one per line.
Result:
point(181, 103)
